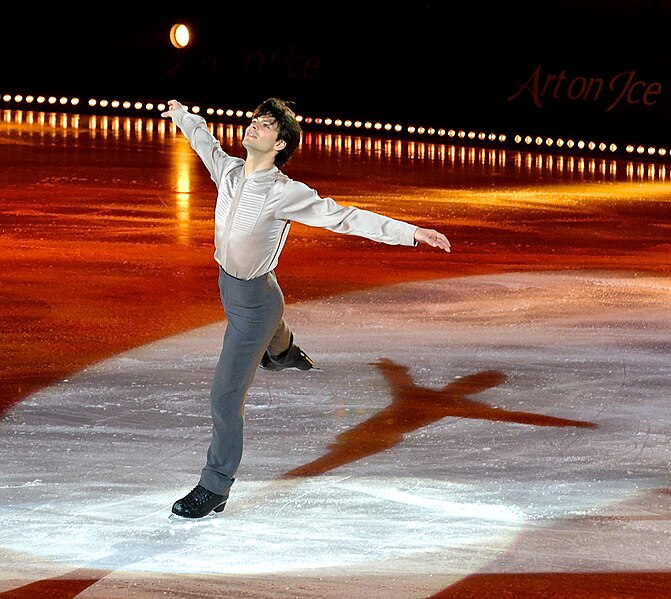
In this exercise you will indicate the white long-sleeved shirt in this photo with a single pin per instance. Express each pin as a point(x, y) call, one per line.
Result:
point(253, 213)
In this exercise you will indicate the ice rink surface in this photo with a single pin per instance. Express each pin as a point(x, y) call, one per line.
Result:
point(508, 423)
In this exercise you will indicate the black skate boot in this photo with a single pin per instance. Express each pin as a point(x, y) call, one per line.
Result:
point(198, 503)
point(293, 357)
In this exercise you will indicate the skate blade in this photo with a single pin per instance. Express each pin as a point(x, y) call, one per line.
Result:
point(178, 523)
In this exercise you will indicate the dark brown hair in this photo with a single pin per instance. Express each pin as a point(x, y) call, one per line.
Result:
point(288, 129)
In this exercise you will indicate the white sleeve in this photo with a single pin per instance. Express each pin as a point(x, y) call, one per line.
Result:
point(208, 148)
point(304, 205)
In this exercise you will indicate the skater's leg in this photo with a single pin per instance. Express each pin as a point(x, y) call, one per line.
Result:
point(283, 353)
point(281, 339)
point(253, 310)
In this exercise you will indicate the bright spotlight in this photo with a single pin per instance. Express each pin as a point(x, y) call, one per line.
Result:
point(180, 35)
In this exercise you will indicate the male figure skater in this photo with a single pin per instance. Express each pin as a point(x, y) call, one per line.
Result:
point(256, 203)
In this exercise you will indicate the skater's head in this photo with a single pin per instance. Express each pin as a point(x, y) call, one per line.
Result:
point(280, 115)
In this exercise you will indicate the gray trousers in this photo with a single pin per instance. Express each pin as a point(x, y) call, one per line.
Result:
point(254, 310)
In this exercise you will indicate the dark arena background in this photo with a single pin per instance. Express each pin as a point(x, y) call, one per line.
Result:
point(595, 71)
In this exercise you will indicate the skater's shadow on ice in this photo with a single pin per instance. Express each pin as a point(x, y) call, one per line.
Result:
point(414, 407)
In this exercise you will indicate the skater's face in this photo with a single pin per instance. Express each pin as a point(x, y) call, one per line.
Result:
point(261, 135)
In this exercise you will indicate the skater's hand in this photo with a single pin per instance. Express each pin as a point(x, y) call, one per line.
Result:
point(173, 105)
point(433, 238)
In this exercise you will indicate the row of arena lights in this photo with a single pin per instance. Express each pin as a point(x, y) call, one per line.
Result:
point(21, 101)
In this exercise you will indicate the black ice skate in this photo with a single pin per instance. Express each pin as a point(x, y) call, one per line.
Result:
point(198, 503)
point(294, 357)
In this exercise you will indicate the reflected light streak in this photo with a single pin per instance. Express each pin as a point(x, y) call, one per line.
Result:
point(534, 162)
point(182, 184)
point(183, 215)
